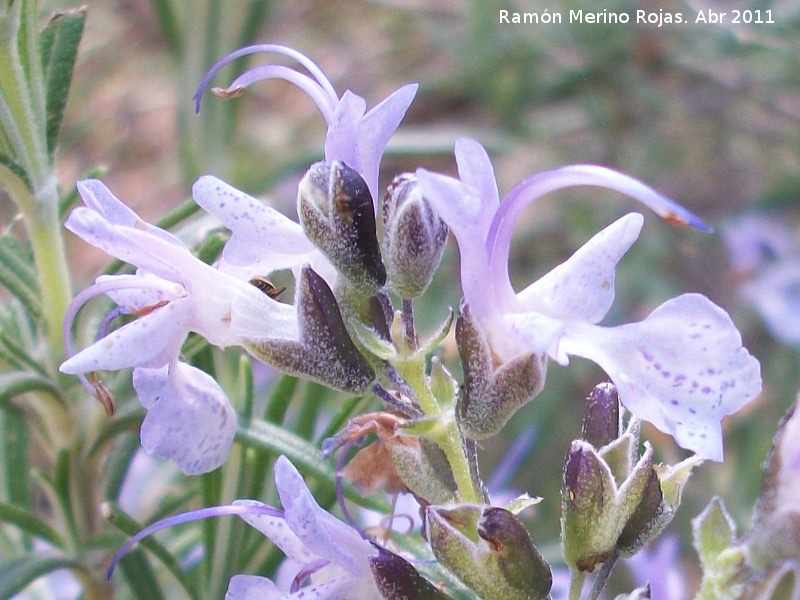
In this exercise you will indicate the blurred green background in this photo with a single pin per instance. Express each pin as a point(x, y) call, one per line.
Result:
point(707, 114)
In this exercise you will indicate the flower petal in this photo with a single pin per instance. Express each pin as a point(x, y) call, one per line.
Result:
point(277, 530)
point(775, 294)
point(141, 245)
point(252, 587)
point(341, 141)
point(532, 188)
point(582, 288)
point(189, 420)
point(467, 206)
point(683, 368)
point(263, 239)
point(153, 291)
point(321, 532)
point(99, 198)
point(150, 341)
point(375, 129)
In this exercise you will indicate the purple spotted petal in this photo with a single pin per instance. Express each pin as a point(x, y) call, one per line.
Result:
point(262, 241)
point(582, 288)
point(321, 532)
point(150, 341)
point(189, 419)
point(683, 368)
point(251, 587)
point(277, 530)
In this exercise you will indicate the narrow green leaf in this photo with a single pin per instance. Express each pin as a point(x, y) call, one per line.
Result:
point(17, 276)
point(119, 461)
point(279, 399)
point(62, 486)
point(303, 454)
point(140, 575)
point(212, 494)
point(30, 523)
point(129, 526)
point(118, 425)
point(17, 573)
point(13, 176)
point(246, 386)
point(15, 444)
point(343, 413)
point(13, 352)
point(59, 46)
point(211, 248)
point(14, 384)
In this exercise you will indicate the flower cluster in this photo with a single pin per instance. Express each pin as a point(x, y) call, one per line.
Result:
point(683, 368)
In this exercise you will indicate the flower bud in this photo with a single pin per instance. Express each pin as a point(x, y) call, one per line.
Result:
point(774, 532)
point(492, 393)
point(336, 212)
point(413, 237)
point(324, 352)
point(397, 578)
point(724, 564)
point(780, 581)
point(601, 418)
point(600, 518)
point(490, 550)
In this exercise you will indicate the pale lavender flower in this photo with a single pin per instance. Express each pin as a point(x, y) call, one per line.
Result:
point(262, 240)
point(355, 136)
point(765, 256)
point(335, 559)
point(660, 566)
point(173, 293)
point(683, 368)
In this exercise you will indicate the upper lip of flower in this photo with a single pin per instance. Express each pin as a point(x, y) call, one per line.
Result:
point(355, 136)
point(303, 530)
point(688, 344)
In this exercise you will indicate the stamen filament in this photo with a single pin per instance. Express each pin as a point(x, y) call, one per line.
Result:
point(324, 84)
point(187, 517)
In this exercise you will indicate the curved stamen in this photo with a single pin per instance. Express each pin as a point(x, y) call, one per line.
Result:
point(304, 82)
point(340, 491)
point(187, 517)
point(305, 572)
point(388, 521)
point(110, 317)
point(306, 62)
point(122, 282)
point(498, 241)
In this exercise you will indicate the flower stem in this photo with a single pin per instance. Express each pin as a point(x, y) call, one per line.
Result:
point(446, 434)
point(576, 584)
point(44, 230)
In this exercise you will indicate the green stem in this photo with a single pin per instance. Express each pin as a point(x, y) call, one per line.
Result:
point(576, 584)
point(446, 433)
point(47, 242)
